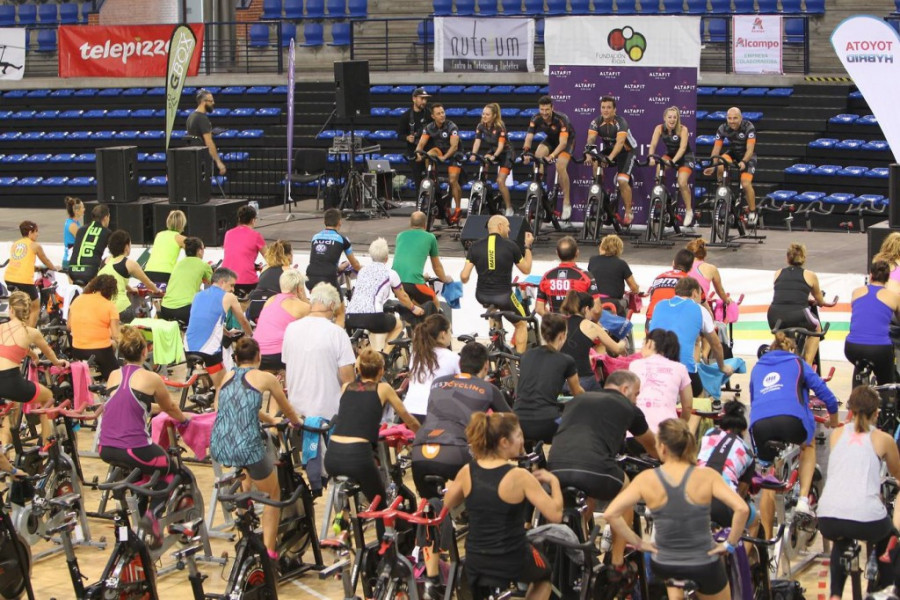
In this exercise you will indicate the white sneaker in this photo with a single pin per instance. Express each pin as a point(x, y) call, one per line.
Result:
point(509, 212)
point(688, 218)
point(751, 218)
point(566, 212)
point(888, 593)
point(804, 508)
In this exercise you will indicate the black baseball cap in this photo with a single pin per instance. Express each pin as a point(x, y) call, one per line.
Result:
point(420, 91)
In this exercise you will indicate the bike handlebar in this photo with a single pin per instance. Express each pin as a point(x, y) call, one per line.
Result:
point(541, 159)
point(142, 490)
point(801, 330)
point(665, 161)
point(284, 425)
point(455, 159)
point(254, 496)
point(592, 152)
point(482, 159)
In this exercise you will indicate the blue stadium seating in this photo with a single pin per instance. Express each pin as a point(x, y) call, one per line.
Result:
point(696, 7)
point(473, 112)
point(271, 9)
point(867, 120)
point(823, 143)
point(62, 93)
point(782, 195)
point(526, 89)
point(396, 112)
point(63, 158)
point(826, 170)
point(800, 169)
point(534, 8)
point(844, 119)
point(452, 89)
point(652, 7)
point(852, 171)
point(876, 200)
point(807, 197)
point(855, 95)
point(705, 140)
point(781, 92)
point(358, 9)
point(743, 7)
point(442, 8)
point(55, 181)
point(110, 92)
point(30, 181)
point(767, 7)
point(455, 112)
point(465, 8)
point(720, 7)
point(791, 7)
point(293, 9)
point(605, 7)
point(137, 91)
point(7, 15)
point(383, 134)
point(626, 7)
point(753, 116)
point(313, 35)
point(315, 9)
point(508, 113)
point(487, 8)
point(47, 114)
point(288, 33)
point(340, 34)
point(718, 30)
point(849, 144)
point(815, 7)
point(580, 7)
point(380, 89)
point(839, 198)
point(336, 9)
point(876, 145)
point(754, 92)
point(706, 90)
point(27, 14)
point(878, 173)
point(48, 14)
point(82, 181)
point(511, 7)
point(259, 90)
point(556, 8)
point(539, 31)
point(794, 31)
point(467, 135)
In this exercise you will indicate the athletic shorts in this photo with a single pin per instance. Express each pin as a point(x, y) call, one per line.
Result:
point(567, 152)
point(15, 388)
point(721, 514)
point(505, 163)
point(509, 302)
point(446, 465)
point(181, 314)
point(782, 428)
point(28, 288)
point(260, 469)
point(420, 293)
point(382, 322)
point(158, 277)
point(532, 567)
point(625, 163)
point(749, 166)
point(710, 578)
point(271, 362)
point(686, 163)
point(212, 362)
point(696, 384)
point(792, 316)
point(599, 483)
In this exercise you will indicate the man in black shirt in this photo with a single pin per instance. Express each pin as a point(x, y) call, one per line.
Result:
point(443, 135)
point(325, 251)
point(618, 146)
point(90, 243)
point(741, 136)
point(557, 146)
point(493, 257)
point(199, 128)
point(410, 127)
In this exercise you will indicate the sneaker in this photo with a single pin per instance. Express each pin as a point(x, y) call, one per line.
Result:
point(629, 217)
point(803, 508)
point(888, 593)
point(433, 589)
point(688, 218)
point(509, 212)
point(751, 218)
point(566, 212)
point(149, 530)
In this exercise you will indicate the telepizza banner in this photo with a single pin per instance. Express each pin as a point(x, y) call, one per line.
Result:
point(120, 51)
point(623, 41)
point(869, 49)
point(756, 45)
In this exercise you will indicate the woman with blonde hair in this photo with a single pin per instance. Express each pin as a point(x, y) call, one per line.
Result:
point(611, 272)
point(279, 256)
point(680, 494)
point(166, 247)
point(790, 303)
point(676, 138)
point(491, 133)
point(890, 253)
point(277, 313)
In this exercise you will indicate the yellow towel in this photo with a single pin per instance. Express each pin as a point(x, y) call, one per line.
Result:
point(167, 346)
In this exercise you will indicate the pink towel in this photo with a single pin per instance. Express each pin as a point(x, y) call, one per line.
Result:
point(614, 363)
point(404, 432)
point(81, 381)
point(725, 313)
point(196, 434)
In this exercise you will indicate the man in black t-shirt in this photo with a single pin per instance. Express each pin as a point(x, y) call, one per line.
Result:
point(493, 258)
point(443, 135)
point(90, 243)
point(410, 127)
point(557, 146)
point(618, 146)
point(741, 136)
point(199, 128)
point(591, 435)
point(325, 250)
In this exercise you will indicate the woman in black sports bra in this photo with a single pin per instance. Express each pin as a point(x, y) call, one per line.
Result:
point(676, 139)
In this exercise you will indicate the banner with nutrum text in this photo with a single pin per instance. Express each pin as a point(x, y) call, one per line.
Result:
point(12, 53)
point(497, 45)
point(756, 43)
point(121, 50)
point(181, 50)
point(623, 41)
point(869, 49)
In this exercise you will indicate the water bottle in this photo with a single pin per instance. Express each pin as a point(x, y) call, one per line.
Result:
point(606, 540)
point(872, 567)
point(254, 205)
point(391, 493)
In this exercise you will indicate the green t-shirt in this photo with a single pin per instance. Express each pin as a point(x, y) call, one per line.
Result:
point(185, 281)
point(164, 253)
point(413, 247)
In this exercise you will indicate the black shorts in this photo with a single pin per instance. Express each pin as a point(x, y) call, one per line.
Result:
point(710, 578)
point(81, 275)
point(158, 277)
point(508, 301)
point(696, 384)
point(260, 469)
point(541, 430)
point(28, 288)
point(181, 314)
point(688, 161)
point(552, 144)
point(750, 165)
point(533, 567)
point(312, 282)
point(792, 316)
point(271, 362)
point(881, 357)
point(505, 163)
point(104, 357)
point(597, 482)
point(382, 322)
point(15, 388)
point(782, 428)
point(420, 293)
point(445, 468)
point(625, 162)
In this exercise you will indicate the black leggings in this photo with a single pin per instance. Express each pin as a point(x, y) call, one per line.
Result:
point(149, 459)
point(842, 532)
point(539, 431)
point(105, 357)
point(781, 428)
point(356, 460)
point(881, 357)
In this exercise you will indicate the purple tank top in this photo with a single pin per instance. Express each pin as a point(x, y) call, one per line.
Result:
point(870, 319)
point(273, 320)
point(125, 418)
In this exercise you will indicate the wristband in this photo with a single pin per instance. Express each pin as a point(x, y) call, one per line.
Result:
point(527, 247)
point(729, 548)
point(14, 471)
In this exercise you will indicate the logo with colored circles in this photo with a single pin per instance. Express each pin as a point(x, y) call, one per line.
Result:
point(634, 44)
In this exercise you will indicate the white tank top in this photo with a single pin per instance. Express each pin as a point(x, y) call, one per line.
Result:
point(853, 483)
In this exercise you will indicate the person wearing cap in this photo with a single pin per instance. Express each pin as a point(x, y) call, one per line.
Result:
point(410, 128)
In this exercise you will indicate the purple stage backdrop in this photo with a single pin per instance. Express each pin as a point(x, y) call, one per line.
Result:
point(642, 95)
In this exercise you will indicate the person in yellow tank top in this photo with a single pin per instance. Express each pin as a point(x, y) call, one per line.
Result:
point(167, 246)
point(123, 269)
point(19, 273)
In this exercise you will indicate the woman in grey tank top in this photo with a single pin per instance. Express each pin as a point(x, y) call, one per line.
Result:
point(851, 507)
point(679, 495)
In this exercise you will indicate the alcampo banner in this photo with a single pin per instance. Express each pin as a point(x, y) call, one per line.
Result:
point(120, 51)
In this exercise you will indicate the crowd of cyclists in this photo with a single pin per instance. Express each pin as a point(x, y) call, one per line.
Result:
point(285, 336)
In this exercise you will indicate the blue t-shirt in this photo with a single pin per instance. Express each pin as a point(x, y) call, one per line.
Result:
point(204, 332)
point(682, 316)
point(326, 248)
point(69, 238)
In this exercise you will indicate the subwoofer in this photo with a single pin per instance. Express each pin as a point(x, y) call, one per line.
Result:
point(351, 81)
point(189, 171)
point(117, 174)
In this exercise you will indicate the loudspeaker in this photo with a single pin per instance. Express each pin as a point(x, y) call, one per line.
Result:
point(209, 221)
point(351, 81)
point(876, 234)
point(189, 171)
point(137, 218)
point(476, 229)
point(894, 195)
point(117, 174)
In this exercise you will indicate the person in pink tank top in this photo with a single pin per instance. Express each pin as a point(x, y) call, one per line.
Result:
point(278, 312)
point(705, 273)
point(242, 245)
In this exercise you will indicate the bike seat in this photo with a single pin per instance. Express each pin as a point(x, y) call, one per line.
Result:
point(465, 339)
point(777, 445)
point(194, 360)
point(66, 501)
point(402, 342)
point(573, 496)
point(499, 584)
point(350, 485)
point(436, 480)
point(688, 585)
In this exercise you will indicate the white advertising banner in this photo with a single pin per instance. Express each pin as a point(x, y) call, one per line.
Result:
point(12, 53)
point(483, 45)
point(623, 41)
point(868, 48)
point(757, 43)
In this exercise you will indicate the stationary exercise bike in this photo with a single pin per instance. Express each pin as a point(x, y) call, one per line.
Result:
point(483, 198)
point(540, 205)
point(429, 200)
point(663, 205)
point(602, 208)
point(15, 559)
point(727, 211)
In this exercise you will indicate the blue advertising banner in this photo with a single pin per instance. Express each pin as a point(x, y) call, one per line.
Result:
point(642, 95)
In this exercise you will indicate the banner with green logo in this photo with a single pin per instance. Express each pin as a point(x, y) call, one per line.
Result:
point(181, 49)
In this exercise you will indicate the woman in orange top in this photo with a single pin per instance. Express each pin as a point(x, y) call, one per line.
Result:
point(94, 323)
point(19, 273)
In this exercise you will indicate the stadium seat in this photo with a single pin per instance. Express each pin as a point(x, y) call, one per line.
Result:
point(315, 9)
point(271, 9)
point(794, 31)
point(82, 181)
point(396, 112)
point(48, 14)
point(706, 90)
point(780, 92)
point(442, 8)
point(705, 140)
point(47, 114)
point(782, 195)
point(487, 8)
point(826, 170)
point(395, 158)
point(501, 89)
point(605, 7)
point(380, 89)
point(12, 159)
point(62, 93)
point(118, 113)
point(876, 146)
point(240, 112)
point(473, 112)
point(701, 114)
point(526, 89)
point(823, 143)
point(580, 7)
point(135, 91)
point(767, 7)
point(844, 119)
point(754, 92)
point(27, 14)
point(839, 198)
point(406, 90)
point(516, 136)
point(38, 158)
point(313, 35)
point(452, 89)
point(815, 7)
point(465, 8)
point(293, 9)
point(383, 134)
point(110, 92)
point(849, 144)
point(24, 115)
point(511, 7)
point(358, 9)
point(791, 7)
point(720, 7)
point(30, 181)
point(556, 8)
point(743, 7)
point(696, 7)
point(476, 89)
point(718, 30)
point(528, 113)
point(855, 95)
point(259, 36)
point(800, 169)
point(467, 135)
point(268, 111)
point(257, 90)
point(455, 112)
point(867, 120)
point(807, 197)
point(718, 115)
point(288, 33)
point(7, 15)
point(875, 200)
point(63, 158)
point(539, 31)
point(340, 34)
point(87, 157)
point(729, 91)
point(852, 171)
point(336, 9)
point(381, 111)
point(52, 136)
point(626, 7)
point(534, 8)
point(878, 173)
point(508, 113)
point(753, 116)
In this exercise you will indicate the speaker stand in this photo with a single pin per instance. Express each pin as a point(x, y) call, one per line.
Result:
point(356, 186)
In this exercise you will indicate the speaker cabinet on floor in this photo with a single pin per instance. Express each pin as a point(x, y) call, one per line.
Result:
point(117, 174)
point(137, 218)
point(209, 221)
point(476, 229)
point(189, 171)
point(351, 81)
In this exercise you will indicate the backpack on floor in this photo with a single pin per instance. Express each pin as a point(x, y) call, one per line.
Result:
point(786, 589)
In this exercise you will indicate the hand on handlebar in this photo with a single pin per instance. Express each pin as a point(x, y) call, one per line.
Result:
point(833, 421)
point(529, 238)
point(708, 171)
point(63, 364)
point(543, 476)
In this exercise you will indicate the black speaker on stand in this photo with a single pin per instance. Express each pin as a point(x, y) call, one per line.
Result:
point(117, 174)
point(189, 171)
point(351, 81)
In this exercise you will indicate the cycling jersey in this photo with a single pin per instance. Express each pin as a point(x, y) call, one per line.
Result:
point(494, 258)
point(441, 137)
point(557, 129)
point(491, 137)
point(608, 132)
point(557, 282)
point(87, 253)
point(737, 138)
point(326, 248)
point(672, 142)
point(663, 288)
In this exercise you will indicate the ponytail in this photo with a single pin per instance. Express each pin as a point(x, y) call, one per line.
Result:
point(486, 430)
point(783, 342)
point(424, 346)
point(678, 440)
point(864, 403)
